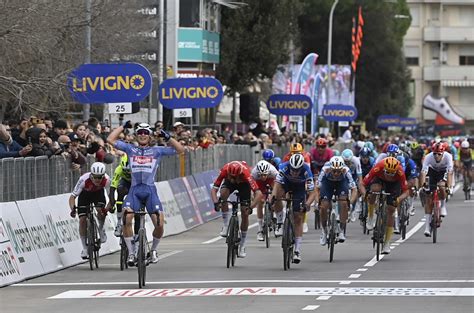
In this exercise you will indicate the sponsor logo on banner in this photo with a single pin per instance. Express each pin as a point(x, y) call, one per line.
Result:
point(202, 196)
point(202, 92)
point(109, 83)
point(174, 223)
point(184, 203)
point(339, 113)
point(9, 265)
point(408, 122)
point(282, 104)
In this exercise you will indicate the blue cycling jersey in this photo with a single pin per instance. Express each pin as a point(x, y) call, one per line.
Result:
point(366, 167)
point(326, 174)
point(300, 176)
point(411, 170)
point(144, 162)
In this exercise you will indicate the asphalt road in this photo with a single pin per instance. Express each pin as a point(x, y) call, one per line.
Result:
point(191, 276)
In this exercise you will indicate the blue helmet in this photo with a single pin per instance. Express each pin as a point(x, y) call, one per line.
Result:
point(392, 149)
point(336, 152)
point(347, 155)
point(370, 145)
point(268, 154)
point(277, 161)
point(365, 152)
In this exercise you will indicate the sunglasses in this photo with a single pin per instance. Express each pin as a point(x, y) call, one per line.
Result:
point(321, 147)
point(437, 154)
point(143, 132)
point(337, 172)
point(97, 176)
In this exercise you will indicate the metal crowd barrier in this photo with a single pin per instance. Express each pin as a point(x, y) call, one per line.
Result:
point(33, 177)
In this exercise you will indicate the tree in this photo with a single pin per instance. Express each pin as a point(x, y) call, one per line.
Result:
point(382, 77)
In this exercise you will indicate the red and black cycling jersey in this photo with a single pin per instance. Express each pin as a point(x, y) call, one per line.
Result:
point(378, 172)
point(244, 177)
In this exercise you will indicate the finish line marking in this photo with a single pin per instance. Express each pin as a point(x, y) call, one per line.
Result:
point(264, 291)
point(189, 282)
point(220, 237)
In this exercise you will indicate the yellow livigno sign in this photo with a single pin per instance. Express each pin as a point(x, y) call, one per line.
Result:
point(339, 113)
point(108, 83)
point(289, 104)
point(210, 92)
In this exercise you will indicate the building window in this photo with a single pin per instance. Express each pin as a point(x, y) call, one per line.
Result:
point(412, 61)
point(466, 60)
point(412, 55)
point(189, 15)
point(415, 15)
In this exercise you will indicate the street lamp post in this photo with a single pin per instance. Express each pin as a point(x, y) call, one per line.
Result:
point(328, 91)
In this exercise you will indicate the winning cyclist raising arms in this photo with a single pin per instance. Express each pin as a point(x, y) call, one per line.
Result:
point(144, 161)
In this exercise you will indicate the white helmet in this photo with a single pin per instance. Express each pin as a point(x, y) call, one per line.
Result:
point(296, 161)
point(337, 163)
point(98, 169)
point(263, 167)
point(465, 144)
point(144, 126)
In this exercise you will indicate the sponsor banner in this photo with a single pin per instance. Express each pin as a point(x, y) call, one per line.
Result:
point(443, 108)
point(9, 263)
point(305, 74)
point(179, 93)
point(339, 113)
point(109, 83)
point(265, 291)
point(384, 121)
point(41, 236)
point(194, 195)
point(281, 104)
point(200, 190)
point(181, 196)
point(174, 223)
point(21, 241)
point(408, 122)
point(198, 45)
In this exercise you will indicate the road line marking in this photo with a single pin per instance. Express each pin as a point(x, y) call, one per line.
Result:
point(411, 232)
point(467, 281)
point(310, 308)
point(354, 275)
point(395, 243)
point(345, 282)
point(220, 237)
point(361, 269)
point(374, 260)
point(168, 254)
point(323, 298)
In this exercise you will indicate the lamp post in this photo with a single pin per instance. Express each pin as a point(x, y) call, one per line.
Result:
point(328, 91)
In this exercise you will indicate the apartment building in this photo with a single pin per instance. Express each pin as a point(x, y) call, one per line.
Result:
point(439, 50)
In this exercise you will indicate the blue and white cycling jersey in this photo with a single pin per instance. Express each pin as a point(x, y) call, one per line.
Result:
point(144, 162)
point(367, 166)
point(326, 174)
point(411, 170)
point(302, 175)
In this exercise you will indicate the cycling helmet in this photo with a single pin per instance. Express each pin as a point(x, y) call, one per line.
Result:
point(336, 152)
point(277, 161)
point(465, 144)
point(296, 161)
point(337, 163)
point(438, 147)
point(392, 149)
point(296, 148)
point(321, 142)
point(390, 165)
point(124, 163)
point(235, 168)
point(98, 169)
point(347, 155)
point(402, 160)
point(268, 154)
point(263, 167)
point(143, 126)
point(370, 145)
point(414, 145)
point(446, 145)
point(365, 152)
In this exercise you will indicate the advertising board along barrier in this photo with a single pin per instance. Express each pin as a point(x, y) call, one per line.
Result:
point(109, 83)
point(10, 269)
point(339, 113)
point(201, 92)
point(180, 193)
point(282, 104)
point(174, 223)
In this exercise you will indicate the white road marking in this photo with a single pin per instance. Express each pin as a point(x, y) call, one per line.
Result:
point(323, 298)
point(190, 282)
point(361, 269)
point(220, 237)
point(411, 232)
point(374, 260)
point(165, 255)
point(395, 244)
point(354, 275)
point(264, 291)
point(310, 308)
point(345, 282)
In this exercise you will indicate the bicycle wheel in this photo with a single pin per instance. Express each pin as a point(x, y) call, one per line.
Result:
point(123, 254)
point(141, 258)
point(96, 245)
point(403, 219)
point(235, 251)
point(466, 187)
point(230, 240)
point(378, 234)
point(317, 221)
point(332, 236)
point(363, 218)
point(90, 242)
point(266, 224)
point(286, 243)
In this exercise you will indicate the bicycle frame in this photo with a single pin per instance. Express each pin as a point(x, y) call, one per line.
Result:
point(378, 236)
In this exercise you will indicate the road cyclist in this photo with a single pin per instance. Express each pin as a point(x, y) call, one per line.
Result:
point(236, 175)
point(387, 175)
point(294, 176)
point(144, 161)
point(90, 188)
point(465, 157)
point(355, 169)
point(264, 175)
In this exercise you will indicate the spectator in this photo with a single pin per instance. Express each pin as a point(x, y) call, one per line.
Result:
point(20, 135)
point(41, 143)
point(347, 136)
point(60, 128)
point(178, 127)
point(78, 159)
point(9, 148)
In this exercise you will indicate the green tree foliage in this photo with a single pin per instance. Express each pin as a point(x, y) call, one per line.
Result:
point(382, 77)
point(254, 40)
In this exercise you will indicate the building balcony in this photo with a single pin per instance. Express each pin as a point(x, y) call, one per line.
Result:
point(449, 34)
point(449, 2)
point(437, 73)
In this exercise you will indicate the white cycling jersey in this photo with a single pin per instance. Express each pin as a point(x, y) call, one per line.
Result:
point(445, 165)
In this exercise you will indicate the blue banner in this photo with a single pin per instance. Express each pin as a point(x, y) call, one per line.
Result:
point(282, 104)
point(200, 184)
point(179, 93)
point(185, 205)
point(384, 121)
point(109, 83)
point(339, 113)
point(408, 122)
